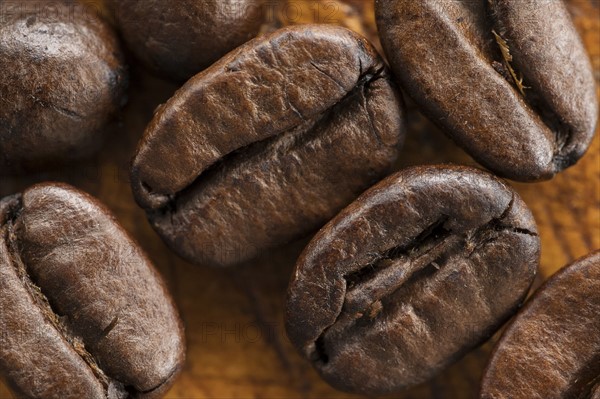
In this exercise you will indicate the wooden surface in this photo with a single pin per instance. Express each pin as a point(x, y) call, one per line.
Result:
point(236, 344)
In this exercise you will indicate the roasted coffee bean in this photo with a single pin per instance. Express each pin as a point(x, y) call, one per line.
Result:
point(62, 79)
point(178, 39)
point(552, 347)
point(509, 81)
point(418, 271)
point(268, 144)
point(83, 312)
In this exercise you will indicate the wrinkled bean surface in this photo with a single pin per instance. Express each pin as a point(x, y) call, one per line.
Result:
point(178, 39)
point(419, 270)
point(62, 79)
point(552, 347)
point(509, 81)
point(84, 313)
point(268, 144)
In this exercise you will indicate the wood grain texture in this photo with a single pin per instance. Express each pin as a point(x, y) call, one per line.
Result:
point(236, 344)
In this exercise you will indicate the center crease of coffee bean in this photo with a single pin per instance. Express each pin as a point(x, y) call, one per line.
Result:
point(371, 288)
point(299, 134)
point(44, 304)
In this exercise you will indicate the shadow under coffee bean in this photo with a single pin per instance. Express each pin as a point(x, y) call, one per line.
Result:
point(510, 81)
point(83, 312)
point(552, 347)
point(419, 270)
point(268, 144)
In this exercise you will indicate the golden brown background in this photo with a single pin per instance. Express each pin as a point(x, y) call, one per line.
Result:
point(236, 344)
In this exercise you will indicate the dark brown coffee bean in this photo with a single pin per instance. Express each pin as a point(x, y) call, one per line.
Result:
point(178, 39)
point(83, 312)
point(552, 347)
point(268, 144)
point(510, 81)
point(415, 273)
point(62, 78)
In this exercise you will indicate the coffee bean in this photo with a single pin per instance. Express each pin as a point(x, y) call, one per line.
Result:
point(509, 81)
point(84, 313)
point(552, 347)
point(268, 144)
point(419, 270)
point(62, 79)
point(178, 39)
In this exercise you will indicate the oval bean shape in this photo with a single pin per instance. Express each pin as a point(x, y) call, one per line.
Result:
point(63, 77)
point(268, 144)
point(178, 39)
point(552, 347)
point(509, 81)
point(84, 313)
point(419, 270)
